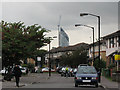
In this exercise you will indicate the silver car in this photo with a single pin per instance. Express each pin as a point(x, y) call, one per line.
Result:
point(86, 75)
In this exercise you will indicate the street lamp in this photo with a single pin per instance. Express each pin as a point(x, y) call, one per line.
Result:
point(85, 14)
point(49, 55)
point(93, 39)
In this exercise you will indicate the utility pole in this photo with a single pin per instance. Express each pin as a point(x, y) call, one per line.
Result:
point(59, 31)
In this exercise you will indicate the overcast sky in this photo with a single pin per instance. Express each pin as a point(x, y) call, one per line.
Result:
point(47, 15)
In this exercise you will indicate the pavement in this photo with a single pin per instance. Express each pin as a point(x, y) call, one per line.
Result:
point(109, 84)
point(25, 80)
point(34, 78)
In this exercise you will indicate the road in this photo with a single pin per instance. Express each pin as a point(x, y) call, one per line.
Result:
point(56, 81)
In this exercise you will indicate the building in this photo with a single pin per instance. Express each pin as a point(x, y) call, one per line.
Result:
point(109, 46)
point(30, 61)
point(56, 53)
point(112, 46)
point(63, 38)
point(96, 51)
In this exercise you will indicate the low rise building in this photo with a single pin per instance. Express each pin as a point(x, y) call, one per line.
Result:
point(96, 51)
point(30, 61)
point(112, 46)
point(56, 53)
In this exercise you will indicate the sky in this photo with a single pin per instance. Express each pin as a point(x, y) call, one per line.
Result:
point(47, 15)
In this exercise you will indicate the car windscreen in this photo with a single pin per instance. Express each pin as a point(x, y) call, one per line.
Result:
point(86, 70)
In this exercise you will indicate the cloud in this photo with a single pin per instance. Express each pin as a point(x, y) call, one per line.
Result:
point(42, 12)
point(0, 11)
point(47, 15)
point(60, 0)
point(119, 15)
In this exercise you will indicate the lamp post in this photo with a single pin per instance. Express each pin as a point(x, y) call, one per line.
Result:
point(85, 14)
point(49, 55)
point(93, 39)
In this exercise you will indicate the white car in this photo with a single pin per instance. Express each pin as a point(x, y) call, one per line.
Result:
point(52, 70)
point(3, 71)
point(46, 69)
point(75, 70)
point(23, 70)
point(63, 69)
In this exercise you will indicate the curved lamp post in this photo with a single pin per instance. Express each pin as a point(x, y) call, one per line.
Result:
point(93, 39)
point(85, 14)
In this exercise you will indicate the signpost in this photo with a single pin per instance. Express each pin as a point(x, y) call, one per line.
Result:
point(117, 58)
point(38, 60)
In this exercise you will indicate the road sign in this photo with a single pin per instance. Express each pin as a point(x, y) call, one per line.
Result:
point(117, 57)
point(38, 58)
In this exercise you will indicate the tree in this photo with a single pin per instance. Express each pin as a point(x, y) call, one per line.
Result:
point(75, 58)
point(102, 64)
point(20, 42)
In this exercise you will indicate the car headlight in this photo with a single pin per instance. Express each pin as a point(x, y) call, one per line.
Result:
point(78, 77)
point(95, 78)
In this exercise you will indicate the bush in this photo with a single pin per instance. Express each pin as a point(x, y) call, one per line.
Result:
point(24, 65)
point(111, 66)
point(96, 64)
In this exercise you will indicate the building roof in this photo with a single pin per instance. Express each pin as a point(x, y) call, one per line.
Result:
point(97, 43)
point(117, 33)
point(70, 48)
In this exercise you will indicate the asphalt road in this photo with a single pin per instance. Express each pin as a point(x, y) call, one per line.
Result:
point(56, 81)
point(39, 81)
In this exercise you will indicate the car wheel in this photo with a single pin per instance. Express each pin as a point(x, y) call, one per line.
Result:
point(76, 85)
point(96, 85)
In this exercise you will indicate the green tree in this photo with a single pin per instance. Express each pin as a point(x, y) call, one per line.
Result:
point(102, 64)
point(75, 58)
point(20, 42)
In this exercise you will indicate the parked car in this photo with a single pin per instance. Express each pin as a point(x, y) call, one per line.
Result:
point(59, 70)
point(23, 70)
point(7, 73)
point(74, 71)
point(3, 71)
point(86, 75)
point(63, 70)
point(46, 69)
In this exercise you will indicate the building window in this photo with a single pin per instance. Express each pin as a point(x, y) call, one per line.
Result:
point(110, 43)
point(107, 43)
point(119, 41)
point(116, 42)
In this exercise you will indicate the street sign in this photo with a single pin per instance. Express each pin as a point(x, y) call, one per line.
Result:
point(117, 57)
point(38, 58)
